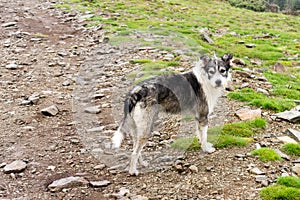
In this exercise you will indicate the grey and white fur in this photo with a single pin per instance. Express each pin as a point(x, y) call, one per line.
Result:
point(194, 92)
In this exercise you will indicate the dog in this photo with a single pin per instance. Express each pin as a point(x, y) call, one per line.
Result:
point(194, 92)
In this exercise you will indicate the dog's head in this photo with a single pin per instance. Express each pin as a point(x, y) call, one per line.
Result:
point(216, 70)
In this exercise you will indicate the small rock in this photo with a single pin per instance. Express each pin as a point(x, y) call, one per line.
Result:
point(8, 24)
point(261, 178)
point(287, 139)
point(294, 133)
point(93, 110)
point(66, 83)
point(98, 96)
point(256, 171)
point(96, 129)
point(244, 74)
point(282, 155)
point(263, 91)
point(100, 167)
point(168, 57)
point(99, 183)
point(12, 66)
point(50, 111)
point(250, 45)
point(296, 169)
point(25, 102)
point(124, 191)
point(278, 67)
point(248, 114)
point(68, 182)
point(291, 116)
point(15, 167)
point(239, 62)
point(240, 155)
point(257, 146)
point(194, 168)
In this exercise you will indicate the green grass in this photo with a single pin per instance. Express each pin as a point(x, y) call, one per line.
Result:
point(291, 149)
point(261, 100)
point(229, 135)
point(289, 181)
point(266, 154)
point(279, 192)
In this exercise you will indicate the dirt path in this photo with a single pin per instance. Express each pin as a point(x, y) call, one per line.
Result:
point(48, 58)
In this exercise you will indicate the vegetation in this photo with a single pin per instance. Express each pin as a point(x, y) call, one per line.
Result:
point(292, 149)
point(229, 135)
point(279, 192)
point(266, 154)
point(287, 188)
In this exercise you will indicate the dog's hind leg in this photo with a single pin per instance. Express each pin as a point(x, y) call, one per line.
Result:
point(201, 130)
point(144, 118)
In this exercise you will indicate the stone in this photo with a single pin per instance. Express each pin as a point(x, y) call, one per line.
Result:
point(248, 114)
point(50, 111)
point(100, 167)
point(294, 133)
point(287, 139)
point(261, 178)
point(278, 67)
point(282, 155)
point(99, 183)
point(263, 91)
point(291, 116)
point(256, 171)
point(244, 74)
point(96, 129)
point(8, 24)
point(296, 169)
point(92, 110)
point(12, 66)
point(250, 45)
point(194, 168)
point(15, 167)
point(239, 62)
point(69, 182)
point(66, 83)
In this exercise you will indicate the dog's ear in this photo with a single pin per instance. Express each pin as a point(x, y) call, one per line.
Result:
point(226, 58)
point(205, 59)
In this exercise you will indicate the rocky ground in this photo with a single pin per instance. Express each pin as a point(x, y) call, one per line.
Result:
point(62, 87)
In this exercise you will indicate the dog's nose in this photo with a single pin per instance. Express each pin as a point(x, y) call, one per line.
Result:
point(218, 82)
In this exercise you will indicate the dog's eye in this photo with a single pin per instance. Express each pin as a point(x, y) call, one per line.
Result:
point(222, 71)
point(211, 71)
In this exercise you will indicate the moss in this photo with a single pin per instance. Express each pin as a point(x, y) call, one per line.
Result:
point(289, 181)
point(279, 192)
point(266, 154)
point(291, 149)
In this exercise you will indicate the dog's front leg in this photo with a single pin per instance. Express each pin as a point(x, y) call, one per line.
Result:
point(201, 131)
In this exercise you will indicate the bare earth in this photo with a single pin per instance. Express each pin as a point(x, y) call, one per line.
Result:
point(49, 55)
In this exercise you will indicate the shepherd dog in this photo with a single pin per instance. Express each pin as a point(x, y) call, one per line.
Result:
point(194, 92)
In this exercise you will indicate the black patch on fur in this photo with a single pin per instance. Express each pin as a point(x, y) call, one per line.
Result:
point(174, 93)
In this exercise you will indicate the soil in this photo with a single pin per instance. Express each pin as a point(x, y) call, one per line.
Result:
point(60, 62)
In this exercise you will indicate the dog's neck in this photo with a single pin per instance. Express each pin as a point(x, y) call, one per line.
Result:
point(211, 93)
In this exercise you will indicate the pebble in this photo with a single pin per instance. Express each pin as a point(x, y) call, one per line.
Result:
point(50, 111)
point(296, 169)
point(263, 91)
point(68, 182)
point(8, 24)
point(248, 114)
point(100, 167)
point(96, 129)
point(282, 155)
point(294, 133)
point(99, 183)
point(66, 83)
point(291, 116)
point(256, 171)
point(194, 168)
point(12, 66)
point(15, 167)
point(287, 139)
point(250, 45)
point(93, 110)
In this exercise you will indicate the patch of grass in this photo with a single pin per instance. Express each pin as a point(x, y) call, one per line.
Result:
point(261, 100)
point(291, 149)
point(244, 129)
point(279, 192)
point(224, 141)
point(142, 61)
point(289, 181)
point(266, 154)
point(229, 135)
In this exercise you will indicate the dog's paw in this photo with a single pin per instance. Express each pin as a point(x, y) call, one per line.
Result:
point(133, 172)
point(208, 147)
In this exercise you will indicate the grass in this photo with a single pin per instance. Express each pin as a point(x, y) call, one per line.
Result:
point(266, 154)
point(229, 135)
point(180, 22)
point(286, 188)
point(279, 192)
point(291, 149)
